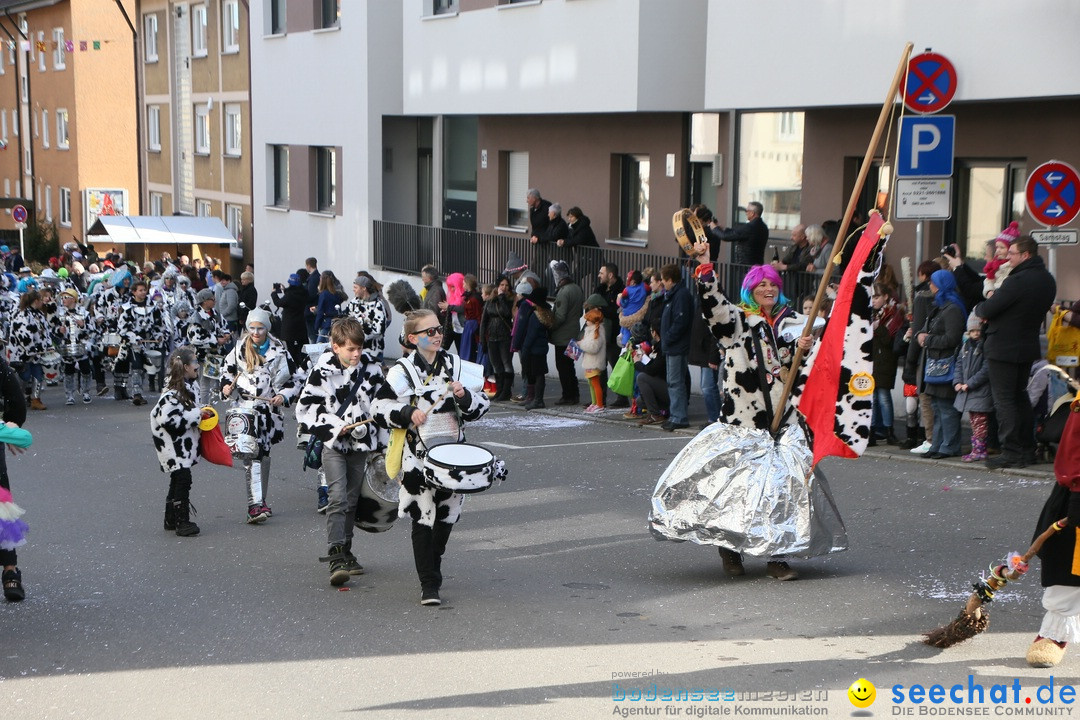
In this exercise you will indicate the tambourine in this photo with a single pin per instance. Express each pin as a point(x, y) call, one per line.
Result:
point(687, 225)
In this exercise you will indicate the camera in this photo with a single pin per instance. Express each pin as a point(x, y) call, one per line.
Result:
point(277, 286)
point(949, 250)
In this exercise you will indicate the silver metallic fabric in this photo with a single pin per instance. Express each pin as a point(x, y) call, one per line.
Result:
point(738, 488)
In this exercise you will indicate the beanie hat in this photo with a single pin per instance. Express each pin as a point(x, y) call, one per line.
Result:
point(974, 322)
point(523, 288)
point(294, 279)
point(259, 315)
point(362, 281)
point(560, 270)
point(514, 263)
point(596, 300)
point(204, 295)
point(1009, 234)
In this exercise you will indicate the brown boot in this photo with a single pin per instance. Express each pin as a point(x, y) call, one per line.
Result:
point(36, 404)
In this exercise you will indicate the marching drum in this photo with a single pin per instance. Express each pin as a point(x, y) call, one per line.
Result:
point(153, 359)
point(211, 367)
point(112, 342)
point(73, 350)
point(459, 467)
point(377, 508)
point(50, 363)
point(241, 433)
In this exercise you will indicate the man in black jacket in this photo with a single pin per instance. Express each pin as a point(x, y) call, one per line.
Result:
point(610, 286)
point(1014, 316)
point(750, 238)
point(675, 340)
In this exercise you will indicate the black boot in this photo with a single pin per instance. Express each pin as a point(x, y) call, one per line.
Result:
point(170, 515)
point(507, 387)
point(915, 437)
point(538, 394)
point(440, 535)
point(184, 526)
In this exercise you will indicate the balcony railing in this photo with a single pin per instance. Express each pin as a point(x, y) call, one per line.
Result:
point(405, 248)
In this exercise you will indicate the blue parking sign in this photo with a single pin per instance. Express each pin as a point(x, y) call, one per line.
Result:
point(926, 146)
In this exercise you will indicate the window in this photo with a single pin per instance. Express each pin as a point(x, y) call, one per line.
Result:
point(230, 26)
point(202, 129)
point(24, 87)
point(786, 128)
point(276, 25)
point(41, 55)
point(153, 128)
point(330, 15)
point(3, 126)
point(150, 38)
point(48, 203)
point(770, 166)
point(7, 187)
point(65, 207)
point(62, 129)
point(444, 7)
point(234, 218)
point(44, 128)
point(202, 208)
point(11, 53)
point(59, 50)
point(198, 30)
point(279, 161)
point(157, 203)
point(232, 130)
point(635, 197)
point(990, 195)
point(517, 186)
point(326, 179)
point(15, 122)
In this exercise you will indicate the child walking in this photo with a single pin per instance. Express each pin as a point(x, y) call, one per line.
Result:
point(593, 345)
point(972, 385)
point(174, 425)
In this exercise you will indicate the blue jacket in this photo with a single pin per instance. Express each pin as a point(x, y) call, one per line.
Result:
point(675, 321)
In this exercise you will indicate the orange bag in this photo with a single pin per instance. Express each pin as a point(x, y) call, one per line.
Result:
point(212, 447)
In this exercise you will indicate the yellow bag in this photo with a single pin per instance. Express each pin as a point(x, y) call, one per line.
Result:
point(394, 451)
point(1063, 342)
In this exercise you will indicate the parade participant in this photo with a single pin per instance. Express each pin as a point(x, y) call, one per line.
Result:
point(74, 332)
point(141, 325)
point(28, 342)
point(433, 412)
point(370, 313)
point(335, 407)
point(264, 376)
point(174, 425)
point(13, 409)
point(752, 335)
point(208, 333)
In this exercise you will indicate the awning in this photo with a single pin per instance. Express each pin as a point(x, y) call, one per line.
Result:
point(162, 229)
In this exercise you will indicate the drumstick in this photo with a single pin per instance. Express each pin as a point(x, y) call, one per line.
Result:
point(347, 428)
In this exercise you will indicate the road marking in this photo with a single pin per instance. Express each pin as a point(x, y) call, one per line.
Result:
point(588, 442)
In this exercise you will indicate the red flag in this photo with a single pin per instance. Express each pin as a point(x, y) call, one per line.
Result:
point(836, 397)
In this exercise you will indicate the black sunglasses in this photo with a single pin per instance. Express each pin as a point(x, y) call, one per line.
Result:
point(430, 332)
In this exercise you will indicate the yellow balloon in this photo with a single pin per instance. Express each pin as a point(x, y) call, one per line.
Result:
point(862, 693)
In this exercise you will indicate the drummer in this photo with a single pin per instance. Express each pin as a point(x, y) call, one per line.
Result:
point(73, 329)
point(209, 334)
point(140, 325)
point(433, 411)
point(28, 343)
point(334, 406)
point(261, 375)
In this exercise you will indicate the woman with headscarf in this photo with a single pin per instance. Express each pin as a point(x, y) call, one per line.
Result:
point(940, 339)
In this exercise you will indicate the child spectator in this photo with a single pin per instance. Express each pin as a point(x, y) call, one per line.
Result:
point(593, 344)
point(972, 385)
point(650, 371)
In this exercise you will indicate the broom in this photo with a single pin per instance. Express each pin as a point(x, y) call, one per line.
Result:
point(974, 618)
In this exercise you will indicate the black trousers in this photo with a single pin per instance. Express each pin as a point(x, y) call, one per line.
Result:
point(1016, 421)
point(429, 544)
point(179, 485)
point(567, 375)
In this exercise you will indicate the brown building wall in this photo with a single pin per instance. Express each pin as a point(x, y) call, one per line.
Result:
point(573, 160)
point(207, 167)
point(205, 71)
point(156, 74)
point(159, 164)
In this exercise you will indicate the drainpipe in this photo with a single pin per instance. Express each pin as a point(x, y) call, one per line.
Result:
point(25, 132)
point(250, 122)
point(138, 98)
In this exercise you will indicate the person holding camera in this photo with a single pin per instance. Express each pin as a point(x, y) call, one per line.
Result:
point(293, 301)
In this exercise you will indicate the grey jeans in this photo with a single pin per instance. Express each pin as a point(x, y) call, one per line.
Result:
point(344, 478)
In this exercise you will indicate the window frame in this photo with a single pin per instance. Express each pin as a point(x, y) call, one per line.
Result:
point(153, 128)
point(276, 11)
point(630, 183)
point(44, 128)
point(230, 27)
point(41, 55)
point(200, 22)
point(204, 208)
point(60, 51)
point(65, 207)
point(234, 125)
point(443, 7)
point(514, 192)
point(235, 212)
point(63, 129)
point(48, 203)
point(279, 181)
point(157, 203)
point(201, 126)
point(150, 33)
point(325, 175)
point(324, 9)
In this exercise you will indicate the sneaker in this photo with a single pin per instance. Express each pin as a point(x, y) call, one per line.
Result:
point(70, 400)
point(266, 509)
point(339, 573)
point(780, 570)
point(922, 449)
point(86, 398)
point(352, 564)
point(102, 390)
point(732, 562)
point(256, 515)
point(324, 500)
point(430, 596)
point(1043, 653)
point(13, 588)
point(631, 415)
point(594, 409)
point(650, 420)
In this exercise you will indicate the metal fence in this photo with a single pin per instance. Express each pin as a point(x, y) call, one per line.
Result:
point(406, 248)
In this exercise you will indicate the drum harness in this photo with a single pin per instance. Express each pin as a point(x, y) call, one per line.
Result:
point(413, 377)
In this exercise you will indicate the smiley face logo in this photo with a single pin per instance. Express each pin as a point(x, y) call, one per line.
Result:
point(862, 693)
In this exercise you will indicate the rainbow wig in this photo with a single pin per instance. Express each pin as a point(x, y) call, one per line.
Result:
point(755, 276)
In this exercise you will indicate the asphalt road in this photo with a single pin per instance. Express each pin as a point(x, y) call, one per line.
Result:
point(556, 601)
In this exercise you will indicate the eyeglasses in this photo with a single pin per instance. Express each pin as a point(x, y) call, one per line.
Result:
point(430, 332)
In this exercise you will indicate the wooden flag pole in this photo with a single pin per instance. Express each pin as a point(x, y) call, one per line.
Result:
point(838, 247)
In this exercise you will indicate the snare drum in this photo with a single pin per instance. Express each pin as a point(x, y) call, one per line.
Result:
point(112, 342)
point(50, 363)
point(315, 350)
point(153, 360)
point(459, 467)
point(377, 508)
point(241, 433)
point(73, 350)
point(211, 367)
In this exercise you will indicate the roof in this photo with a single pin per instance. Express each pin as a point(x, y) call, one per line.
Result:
point(162, 229)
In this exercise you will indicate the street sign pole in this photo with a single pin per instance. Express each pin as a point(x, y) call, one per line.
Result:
point(22, 244)
point(919, 230)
